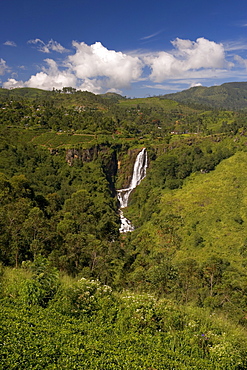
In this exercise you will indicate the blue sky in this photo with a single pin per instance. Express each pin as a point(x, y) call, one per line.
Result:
point(133, 47)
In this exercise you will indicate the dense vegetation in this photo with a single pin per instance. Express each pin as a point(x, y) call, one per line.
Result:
point(232, 95)
point(53, 323)
point(171, 294)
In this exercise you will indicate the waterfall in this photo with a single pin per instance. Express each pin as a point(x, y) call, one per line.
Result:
point(139, 172)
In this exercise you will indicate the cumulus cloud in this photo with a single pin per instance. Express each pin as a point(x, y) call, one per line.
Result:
point(93, 68)
point(12, 84)
point(93, 85)
point(116, 68)
point(50, 46)
point(48, 78)
point(10, 43)
point(98, 69)
point(3, 67)
point(195, 84)
point(187, 56)
point(52, 77)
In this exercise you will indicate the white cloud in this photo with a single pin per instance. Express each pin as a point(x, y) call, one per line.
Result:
point(93, 68)
point(50, 46)
point(195, 84)
point(92, 85)
point(52, 77)
point(241, 60)
point(98, 69)
point(12, 84)
point(151, 36)
point(117, 69)
point(235, 45)
point(3, 67)
point(166, 87)
point(46, 79)
point(187, 56)
point(116, 91)
point(10, 43)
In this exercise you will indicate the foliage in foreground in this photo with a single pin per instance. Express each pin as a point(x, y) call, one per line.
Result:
point(85, 325)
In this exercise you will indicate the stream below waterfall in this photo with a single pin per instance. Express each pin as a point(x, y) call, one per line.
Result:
point(139, 172)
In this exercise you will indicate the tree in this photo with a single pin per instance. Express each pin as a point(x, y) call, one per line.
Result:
point(36, 231)
point(43, 285)
point(21, 187)
point(188, 275)
point(212, 271)
point(15, 216)
point(5, 188)
point(78, 207)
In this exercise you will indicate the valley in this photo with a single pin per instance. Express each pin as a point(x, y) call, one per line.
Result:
point(172, 286)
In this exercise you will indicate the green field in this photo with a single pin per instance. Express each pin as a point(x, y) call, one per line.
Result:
point(63, 140)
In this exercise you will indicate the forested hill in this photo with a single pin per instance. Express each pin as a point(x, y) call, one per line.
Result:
point(171, 294)
point(232, 96)
point(66, 97)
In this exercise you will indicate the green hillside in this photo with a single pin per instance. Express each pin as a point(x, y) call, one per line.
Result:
point(85, 325)
point(171, 294)
point(232, 96)
point(67, 97)
point(211, 212)
point(55, 140)
point(24, 92)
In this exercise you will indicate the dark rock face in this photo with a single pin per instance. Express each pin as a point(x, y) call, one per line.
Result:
point(125, 167)
point(108, 157)
point(84, 155)
point(116, 162)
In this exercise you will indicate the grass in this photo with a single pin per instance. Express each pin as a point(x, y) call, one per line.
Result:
point(55, 140)
point(213, 206)
point(164, 104)
point(123, 331)
point(25, 92)
point(13, 278)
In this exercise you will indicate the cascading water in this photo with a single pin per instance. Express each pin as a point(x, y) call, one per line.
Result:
point(139, 173)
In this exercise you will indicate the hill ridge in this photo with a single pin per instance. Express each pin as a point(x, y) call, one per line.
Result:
point(230, 95)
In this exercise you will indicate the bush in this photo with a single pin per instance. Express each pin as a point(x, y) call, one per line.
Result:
point(85, 297)
point(43, 285)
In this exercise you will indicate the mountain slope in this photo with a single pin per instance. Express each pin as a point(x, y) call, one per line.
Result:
point(207, 215)
point(231, 95)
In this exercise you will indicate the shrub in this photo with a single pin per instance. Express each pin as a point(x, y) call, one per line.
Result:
point(43, 285)
point(85, 297)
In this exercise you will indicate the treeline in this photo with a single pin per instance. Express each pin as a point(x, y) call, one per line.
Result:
point(87, 113)
point(44, 115)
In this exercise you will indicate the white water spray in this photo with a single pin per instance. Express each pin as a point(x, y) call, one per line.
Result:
point(139, 173)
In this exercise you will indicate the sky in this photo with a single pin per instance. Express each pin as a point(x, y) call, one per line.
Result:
point(136, 48)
